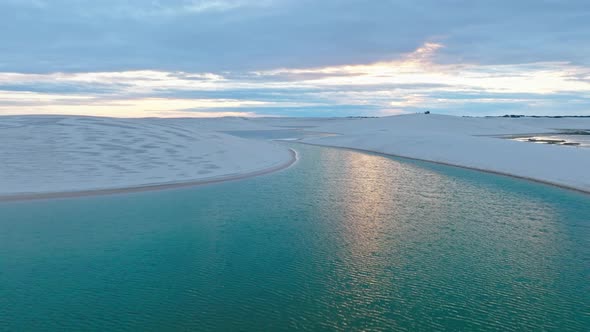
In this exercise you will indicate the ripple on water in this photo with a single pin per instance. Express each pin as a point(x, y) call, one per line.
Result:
point(341, 241)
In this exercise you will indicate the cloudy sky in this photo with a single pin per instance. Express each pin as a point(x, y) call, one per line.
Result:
point(134, 58)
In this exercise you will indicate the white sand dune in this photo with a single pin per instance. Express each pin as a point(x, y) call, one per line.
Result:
point(460, 141)
point(46, 154)
point(43, 154)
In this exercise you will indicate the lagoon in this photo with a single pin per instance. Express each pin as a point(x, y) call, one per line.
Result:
point(342, 240)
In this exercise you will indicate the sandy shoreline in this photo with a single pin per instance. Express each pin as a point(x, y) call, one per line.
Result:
point(73, 154)
point(293, 159)
point(471, 143)
point(579, 190)
point(64, 156)
point(148, 187)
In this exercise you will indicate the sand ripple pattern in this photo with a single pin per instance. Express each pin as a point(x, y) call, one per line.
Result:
point(43, 154)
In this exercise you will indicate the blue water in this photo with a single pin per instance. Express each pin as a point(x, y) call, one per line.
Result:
point(342, 240)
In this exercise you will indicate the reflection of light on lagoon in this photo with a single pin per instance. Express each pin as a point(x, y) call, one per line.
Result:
point(362, 203)
point(401, 221)
point(373, 194)
point(341, 241)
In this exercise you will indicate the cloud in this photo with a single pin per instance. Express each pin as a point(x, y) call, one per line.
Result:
point(412, 82)
point(39, 103)
point(239, 35)
point(293, 57)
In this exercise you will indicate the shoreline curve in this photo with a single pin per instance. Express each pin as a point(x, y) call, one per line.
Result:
point(149, 187)
point(549, 183)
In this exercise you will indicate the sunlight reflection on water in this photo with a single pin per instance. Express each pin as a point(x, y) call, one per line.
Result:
point(343, 240)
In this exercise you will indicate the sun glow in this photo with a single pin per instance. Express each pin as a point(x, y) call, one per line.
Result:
point(411, 81)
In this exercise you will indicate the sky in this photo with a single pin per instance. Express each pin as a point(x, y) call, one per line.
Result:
point(207, 58)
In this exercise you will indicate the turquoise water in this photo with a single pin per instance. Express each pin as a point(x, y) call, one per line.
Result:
point(342, 240)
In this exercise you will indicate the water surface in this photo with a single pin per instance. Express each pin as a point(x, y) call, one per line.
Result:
point(342, 240)
point(579, 140)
